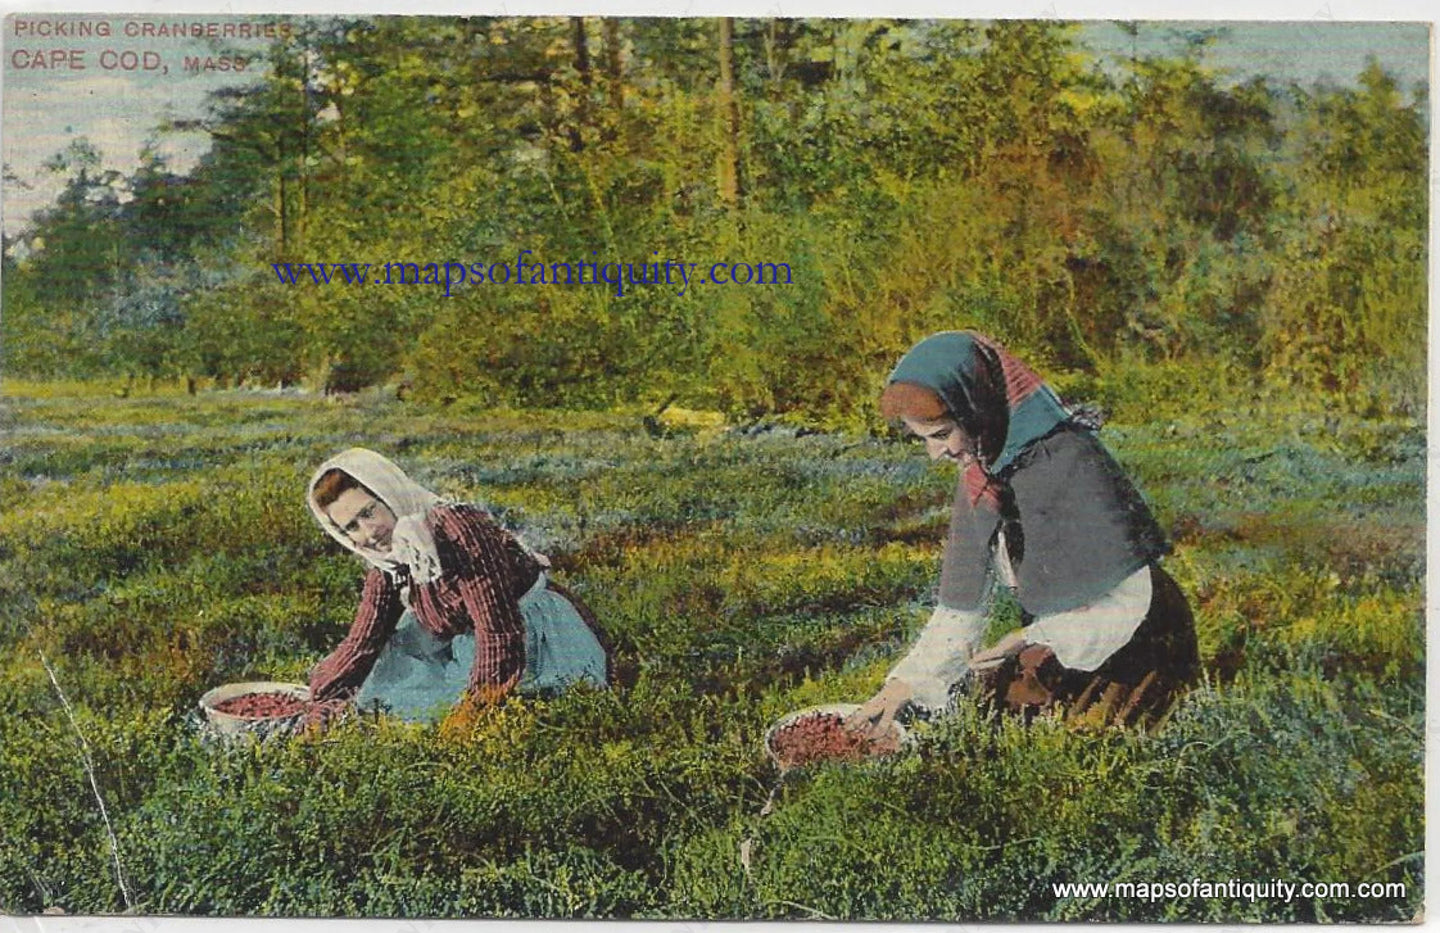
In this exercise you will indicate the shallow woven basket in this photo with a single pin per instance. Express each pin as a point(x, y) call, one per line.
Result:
point(902, 735)
point(229, 724)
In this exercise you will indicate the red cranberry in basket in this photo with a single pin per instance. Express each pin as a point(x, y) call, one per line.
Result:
point(262, 706)
point(823, 737)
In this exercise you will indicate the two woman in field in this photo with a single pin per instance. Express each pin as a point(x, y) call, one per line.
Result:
point(455, 606)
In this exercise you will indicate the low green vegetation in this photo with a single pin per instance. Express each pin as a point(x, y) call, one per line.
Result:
point(152, 547)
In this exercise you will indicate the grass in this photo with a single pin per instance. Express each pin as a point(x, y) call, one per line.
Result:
point(154, 546)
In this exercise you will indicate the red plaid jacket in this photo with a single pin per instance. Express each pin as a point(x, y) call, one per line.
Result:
point(484, 572)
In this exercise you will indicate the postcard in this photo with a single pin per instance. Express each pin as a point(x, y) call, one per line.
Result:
point(713, 468)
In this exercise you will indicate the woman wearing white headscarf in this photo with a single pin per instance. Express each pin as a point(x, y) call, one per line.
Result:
point(453, 607)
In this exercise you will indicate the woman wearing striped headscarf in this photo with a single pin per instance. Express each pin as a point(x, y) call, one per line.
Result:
point(1043, 509)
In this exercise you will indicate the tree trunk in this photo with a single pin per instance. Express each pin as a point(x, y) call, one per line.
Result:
point(614, 76)
point(304, 155)
point(729, 168)
point(282, 220)
point(779, 38)
point(582, 68)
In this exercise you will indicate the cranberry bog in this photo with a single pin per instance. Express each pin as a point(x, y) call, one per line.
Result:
point(154, 546)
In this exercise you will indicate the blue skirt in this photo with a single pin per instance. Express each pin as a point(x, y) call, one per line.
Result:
point(419, 676)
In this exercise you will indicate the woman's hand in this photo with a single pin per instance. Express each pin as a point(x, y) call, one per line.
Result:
point(873, 719)
point(983, 660)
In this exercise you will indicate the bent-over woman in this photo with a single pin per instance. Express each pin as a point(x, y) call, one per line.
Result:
point(453, 606)
point(1042, 508)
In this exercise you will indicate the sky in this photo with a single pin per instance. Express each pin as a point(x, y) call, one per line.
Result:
point(1303, 50)
point(118, 109)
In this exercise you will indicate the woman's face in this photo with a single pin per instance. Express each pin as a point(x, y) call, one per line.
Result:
point(944, 440)
point(366, 521)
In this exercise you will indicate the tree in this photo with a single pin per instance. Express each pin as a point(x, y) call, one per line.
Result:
point(728, 105)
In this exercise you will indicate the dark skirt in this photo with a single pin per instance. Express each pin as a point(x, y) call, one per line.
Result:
point(1137, 685)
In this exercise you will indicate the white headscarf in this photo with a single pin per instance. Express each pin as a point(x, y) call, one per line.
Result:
point(412, 546)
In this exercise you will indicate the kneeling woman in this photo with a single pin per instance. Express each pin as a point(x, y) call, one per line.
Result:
point(1043, 509)
point(454, 607)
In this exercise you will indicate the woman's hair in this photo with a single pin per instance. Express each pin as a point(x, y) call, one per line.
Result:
point(331, 485)
point(908, 400)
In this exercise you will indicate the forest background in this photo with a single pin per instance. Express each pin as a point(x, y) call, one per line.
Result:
point(915, 176)
point(1234, 271)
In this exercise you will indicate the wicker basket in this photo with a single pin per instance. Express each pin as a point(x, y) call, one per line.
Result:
point(901, 734)
point(229, 724)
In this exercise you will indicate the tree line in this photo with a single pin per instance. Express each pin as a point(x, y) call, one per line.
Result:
point(915, 175)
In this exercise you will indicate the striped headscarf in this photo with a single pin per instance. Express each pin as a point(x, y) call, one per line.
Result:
point(996, 399)
point(1074, 525)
